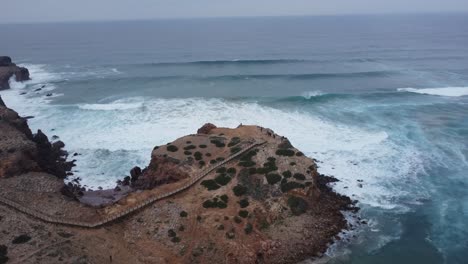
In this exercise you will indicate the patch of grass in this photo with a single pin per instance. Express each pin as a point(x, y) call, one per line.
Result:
point(202, 146)
point(285, 152)
point(299, 176)
point(187, 152)
point(189, 147)
point(222, 179)
point(248, 228)
point(239, 190)
point(231, 171)
point(243, 213)
point(235, 150)
point(244, 203)
point(297, 205)
point(287, 174)
point(273, 178)
point(286, 187)
point(210, 185)
point(247, 163)
point(172, 148)
point(183, 214)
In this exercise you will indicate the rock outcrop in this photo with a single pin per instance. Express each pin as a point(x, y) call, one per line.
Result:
point(21, 151)
point(206, 128)
point(9, 69)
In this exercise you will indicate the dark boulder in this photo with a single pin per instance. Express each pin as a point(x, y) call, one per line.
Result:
point(8, 70)
point(21, 74)
point(135, 173)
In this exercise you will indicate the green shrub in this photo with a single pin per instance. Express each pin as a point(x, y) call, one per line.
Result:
point(221, 204)
point(221, 227)
point(221, 170)
point(208, 154)
point(171, 233)
point(175, 239)
point(247, 163)
point(285, 145)
point(299, 176)
point(202, 163)
point(222, 179)
point(299, 154)
point(220, 158)
point(239, 190)
point(243, 213)
point(189, 147)
point(183, 214)
point(224, 198)
point(210, 185)
point(213, 161)
point(155, 148)
point(252, 171)
point(237, 219)
point(248, 156)
point(234, 141)
point(235, 150)
point(287, 174)
point(198, 155)
point(248, 228)
point(231, 171)
point(202, 146)
point(244, 203)
point(187, 152)
point(297, 205)
point(285, 152)
point(218, 143)
point(292, 163)
point(172, 148)
point(286, 187)
point(181, 228)
point(208, 204)
point(271, 159)
point(273, 178)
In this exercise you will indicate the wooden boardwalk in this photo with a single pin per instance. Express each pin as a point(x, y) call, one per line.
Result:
point(115, 216)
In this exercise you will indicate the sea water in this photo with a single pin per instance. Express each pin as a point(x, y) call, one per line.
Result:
point(380, 101)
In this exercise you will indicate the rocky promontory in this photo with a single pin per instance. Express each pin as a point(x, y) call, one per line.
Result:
point(8, 69)
point(223, 195)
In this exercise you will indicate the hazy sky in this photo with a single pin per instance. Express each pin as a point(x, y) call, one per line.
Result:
point(84, 10)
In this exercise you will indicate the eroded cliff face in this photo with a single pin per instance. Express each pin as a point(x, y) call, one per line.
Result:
point(21, 151)
point(8, 69)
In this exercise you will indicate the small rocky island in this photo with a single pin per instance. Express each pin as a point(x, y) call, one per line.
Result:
point(222, 195)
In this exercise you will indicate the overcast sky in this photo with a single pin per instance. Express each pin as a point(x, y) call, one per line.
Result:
point(14, 11)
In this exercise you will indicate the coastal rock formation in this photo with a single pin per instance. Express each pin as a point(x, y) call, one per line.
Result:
point(21, 151)
point(206, 128)
point(243, 195)
point(9, 69)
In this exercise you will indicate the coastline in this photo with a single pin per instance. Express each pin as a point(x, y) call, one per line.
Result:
point(309, 234)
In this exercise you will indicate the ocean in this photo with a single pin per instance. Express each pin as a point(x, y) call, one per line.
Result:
point(378, 99)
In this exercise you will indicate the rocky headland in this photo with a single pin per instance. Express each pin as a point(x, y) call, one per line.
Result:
point(8, 69)
point(223, 195)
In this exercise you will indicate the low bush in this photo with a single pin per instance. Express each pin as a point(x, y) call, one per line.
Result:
point(172, 148)
point(189, 147)
point(237, 219)
point(286, 187)
point(189, 142)
point(247, 163)
point(181, 228)
point(222, 179)
point(187, 152)
point(285, 152)
point(273, 178)
point(299, 176)
point(175, 239)
point(239, 190)
point(220, 158)
point(234, 141)
point(210, 185)
point(171, 233)
point(208, 154)
point(287, 174)
point(248, 228)
point(244, 203)
point(221, 170)
point(183, 214)
point(213, 161)
point(231, 171)
point(198, 155)
point(243, 213)
point(234, 150)
point(297, 205)
point(202, 146)
point(202, 163)
point(292, 163)
point(218, 143)
point(221, 227)
point(224, 198)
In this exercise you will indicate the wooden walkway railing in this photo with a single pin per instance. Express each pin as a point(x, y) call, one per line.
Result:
point(115, 216)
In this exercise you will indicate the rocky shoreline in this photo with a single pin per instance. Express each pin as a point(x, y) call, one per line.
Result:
point(8, 69)
point(269, 205)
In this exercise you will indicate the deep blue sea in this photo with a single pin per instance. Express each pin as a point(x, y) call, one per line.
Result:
point(383, 99)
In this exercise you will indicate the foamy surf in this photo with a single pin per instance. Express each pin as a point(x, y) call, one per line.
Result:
point(446, 91)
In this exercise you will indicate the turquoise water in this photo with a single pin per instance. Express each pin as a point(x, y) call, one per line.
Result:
point(382, 99)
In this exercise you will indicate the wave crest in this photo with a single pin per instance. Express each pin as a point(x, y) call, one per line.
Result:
point(446, 91)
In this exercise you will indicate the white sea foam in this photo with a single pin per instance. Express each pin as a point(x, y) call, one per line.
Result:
point(310, 94)
point(446, 91)
point(118, 105)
